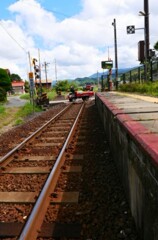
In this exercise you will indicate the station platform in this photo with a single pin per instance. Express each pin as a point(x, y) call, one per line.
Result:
point(130, 122)
point(143, 110)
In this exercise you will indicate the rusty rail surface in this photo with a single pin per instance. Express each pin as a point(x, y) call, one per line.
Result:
point(33, 135)
point(35, 218)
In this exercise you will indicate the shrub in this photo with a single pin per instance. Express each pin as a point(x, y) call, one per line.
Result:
point(148, 88)
point(3, 95)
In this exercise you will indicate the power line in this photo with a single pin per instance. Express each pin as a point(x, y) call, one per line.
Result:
point(13, 38)
point(27, 52)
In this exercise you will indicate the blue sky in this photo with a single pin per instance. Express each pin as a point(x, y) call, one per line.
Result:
point(61, 8)
point(4, 13)
point(76, 34)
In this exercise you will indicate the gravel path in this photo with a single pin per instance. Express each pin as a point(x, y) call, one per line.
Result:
point(15, 101)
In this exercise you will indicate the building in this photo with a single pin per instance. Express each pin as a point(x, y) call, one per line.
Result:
point(44, 83)
point(18, 87)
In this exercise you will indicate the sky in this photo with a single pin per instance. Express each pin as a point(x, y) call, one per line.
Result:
point(71, 36)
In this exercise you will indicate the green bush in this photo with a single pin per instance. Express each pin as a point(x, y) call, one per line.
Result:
point(51, 94)
point(148, 88)
point(3, 95)
point(5, 81)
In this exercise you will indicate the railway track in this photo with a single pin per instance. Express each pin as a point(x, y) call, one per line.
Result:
point(87, 202)
point(38, 162)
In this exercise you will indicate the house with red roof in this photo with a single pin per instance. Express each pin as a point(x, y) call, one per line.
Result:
point(18, 87)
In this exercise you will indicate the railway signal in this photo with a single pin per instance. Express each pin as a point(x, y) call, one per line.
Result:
point(36, 69)
point(37, 72)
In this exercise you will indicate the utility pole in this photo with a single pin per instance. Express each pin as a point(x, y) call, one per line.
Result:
point(40, 82)
point(116, 62)
point(108, 55)
point(55, 70)
point(145, 14)
point(29, 57)
point(45, 69)
point(146, 24)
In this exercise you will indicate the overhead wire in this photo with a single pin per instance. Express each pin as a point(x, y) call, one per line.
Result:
point(60, 13)
point(13, 38)
point(26, 52)
point(56, 12)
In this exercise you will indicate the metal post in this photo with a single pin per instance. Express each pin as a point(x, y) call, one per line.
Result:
point(146, 24)
point(40, 81)
point(55, 70)
point(151, 70)
point(146, 35)
point(116, 62)
point(45, 68)
point(139, 78)
point(30, 61)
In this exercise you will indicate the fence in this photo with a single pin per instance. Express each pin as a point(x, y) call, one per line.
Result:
point(138, 74)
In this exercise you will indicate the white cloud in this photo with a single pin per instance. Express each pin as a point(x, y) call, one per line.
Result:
point(78, 43)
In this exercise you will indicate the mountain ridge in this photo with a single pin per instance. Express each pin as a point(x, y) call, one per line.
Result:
point(120, 71)
point(97, 75)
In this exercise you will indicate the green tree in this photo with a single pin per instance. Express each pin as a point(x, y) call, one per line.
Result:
point(15, 77)
point(3, 95)
point(5, 81)
point(156, 46)
point(62, 86)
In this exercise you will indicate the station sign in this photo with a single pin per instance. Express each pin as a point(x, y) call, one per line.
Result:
point(30, 75)
point(31, 80)
point(107, 64)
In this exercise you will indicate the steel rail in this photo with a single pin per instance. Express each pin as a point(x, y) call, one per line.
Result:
point(2, 159)
point(32, 226)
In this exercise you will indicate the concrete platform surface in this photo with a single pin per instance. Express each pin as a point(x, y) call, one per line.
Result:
point(143, 109)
